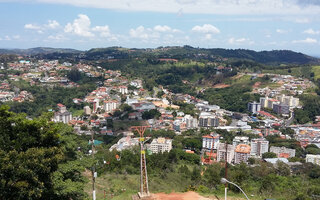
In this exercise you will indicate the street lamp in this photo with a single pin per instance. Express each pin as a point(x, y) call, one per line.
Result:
point(224, 181)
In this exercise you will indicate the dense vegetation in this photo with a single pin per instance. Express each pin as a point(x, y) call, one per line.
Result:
point(46, 98)
point(38, 159)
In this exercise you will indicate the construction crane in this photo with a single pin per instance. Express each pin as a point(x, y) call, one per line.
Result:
point(144, 188)
point(208, 160)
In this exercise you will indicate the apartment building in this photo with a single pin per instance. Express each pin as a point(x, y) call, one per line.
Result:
point(161, 145)
point(259, 146)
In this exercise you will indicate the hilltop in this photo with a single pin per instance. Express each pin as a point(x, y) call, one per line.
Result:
point(274, 57)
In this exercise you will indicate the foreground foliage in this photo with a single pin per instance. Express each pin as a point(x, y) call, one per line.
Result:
point(38, 159)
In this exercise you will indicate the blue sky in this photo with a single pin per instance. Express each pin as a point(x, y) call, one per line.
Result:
point(85, 24)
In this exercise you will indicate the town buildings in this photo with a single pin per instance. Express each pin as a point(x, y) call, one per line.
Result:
point(208, 120)
point(240, 140)
point(62, 115)
point(210, 141)
point(87, 110)
point(125, 143)
point(242, 153)
point(110, 105)
point(315, 159)
point(281, 108)
point(283, 152)
point(221, 152)
point(254, 107)
point(259, 146)
point(161, 145)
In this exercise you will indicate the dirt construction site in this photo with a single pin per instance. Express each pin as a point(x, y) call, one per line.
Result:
point(181, 196)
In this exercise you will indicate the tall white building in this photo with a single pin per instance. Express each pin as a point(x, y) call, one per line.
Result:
point(161, 145)
point(87, 110)
point(242, 153)
point(288, 100)
point(259, 146)
point(267, 102)
point(254, 107)
point(62, 115)
point(208, 120)
point(315, 159)
point(110, 105)
point(210, 141)
point(123, 89)
point(221, 152)
point(191, 122)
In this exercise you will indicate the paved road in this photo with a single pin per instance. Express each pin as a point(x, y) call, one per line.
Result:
point(290, 120)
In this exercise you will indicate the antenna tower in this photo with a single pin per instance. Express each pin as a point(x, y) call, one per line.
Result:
point(144, 188)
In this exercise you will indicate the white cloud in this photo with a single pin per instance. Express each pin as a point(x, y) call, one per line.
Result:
point(311, 31)
point(16, 37)
point(302, 20)
point(103, 30)
point(58, 37)
point(154, 33)
point(166, 28)
point(162, 28)
point(32, 27)
point(240, 41)
point(306, 41)
point(53, 24)
point(7, 38)
point(208, 36)
point(281, 31)
point(206, 28)
point(80, 26)
point(143, 33)
point(225, 7)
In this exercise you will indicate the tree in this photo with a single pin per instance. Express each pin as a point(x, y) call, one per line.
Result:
point(31, 153)
point(269, 155)
point(74, 75)
point(151, 114)
point(282, 169)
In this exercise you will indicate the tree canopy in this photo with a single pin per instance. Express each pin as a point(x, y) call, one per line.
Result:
point(38, 159)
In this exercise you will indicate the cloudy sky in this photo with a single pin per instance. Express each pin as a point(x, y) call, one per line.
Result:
point(84, 24)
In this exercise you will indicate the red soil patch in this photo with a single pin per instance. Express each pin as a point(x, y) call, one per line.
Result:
point(179, 196)
point(257, 84)
point(221, 85)
point(237, 76)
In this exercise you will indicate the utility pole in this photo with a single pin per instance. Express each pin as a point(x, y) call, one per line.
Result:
point(93, 168)
point(144, 188)
point(226, 171)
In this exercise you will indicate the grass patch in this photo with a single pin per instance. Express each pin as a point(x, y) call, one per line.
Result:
point(316, 71)
point(77, 112)
point(271, 85)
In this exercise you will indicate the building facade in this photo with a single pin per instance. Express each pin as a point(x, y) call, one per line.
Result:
point(208, 120)
point(254, 107)
point(240, 140)
point(242, 153)
point(210, 141)
point(221, 152)
point(281, 108)
point(259, 146)
point(315, 159)
point(62, 115)
point(283, 152)
point(161, 145)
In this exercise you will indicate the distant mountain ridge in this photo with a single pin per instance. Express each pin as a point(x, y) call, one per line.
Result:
point(38, 50)
point(177, 52)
